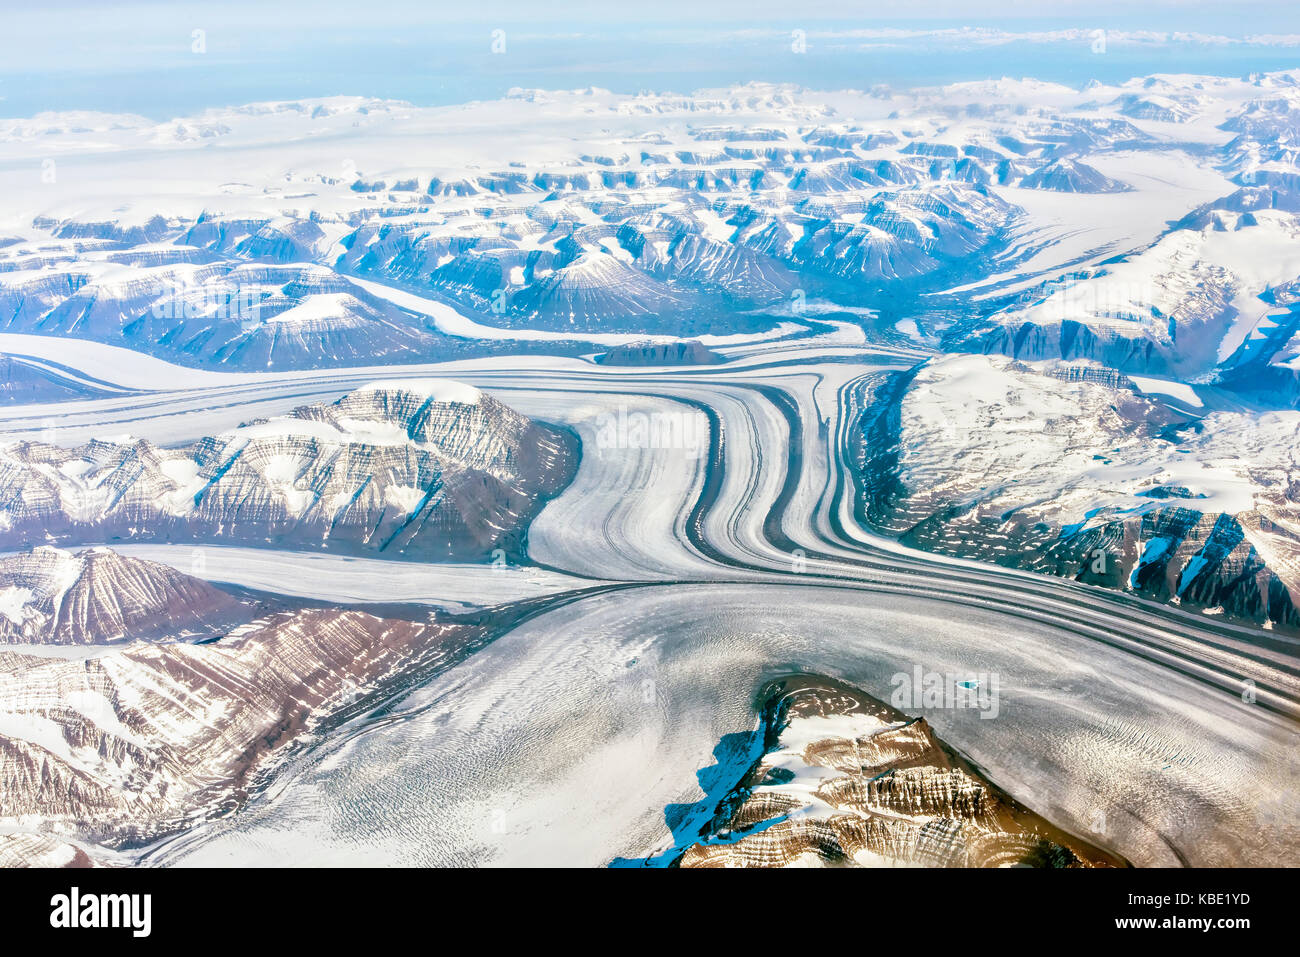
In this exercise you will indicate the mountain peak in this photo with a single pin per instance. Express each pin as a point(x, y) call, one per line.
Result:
point(438, 390)
point(52, 596)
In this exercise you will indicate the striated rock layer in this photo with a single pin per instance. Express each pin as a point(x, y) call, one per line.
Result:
point(50, 596)
point(847, 780)
point(122, 747)
point(25, 849)
point(411, 469)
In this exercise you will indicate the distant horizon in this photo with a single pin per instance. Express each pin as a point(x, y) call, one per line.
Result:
point(696, 92)
point(165, 63)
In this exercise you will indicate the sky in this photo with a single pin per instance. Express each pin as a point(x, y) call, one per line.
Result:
point(165, 59)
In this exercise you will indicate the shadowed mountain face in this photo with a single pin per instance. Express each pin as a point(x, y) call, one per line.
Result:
point(689, 353)
point(400, 468)
point(1070, 469)
point(847, 780)
point(193, 307)
point(49, 596)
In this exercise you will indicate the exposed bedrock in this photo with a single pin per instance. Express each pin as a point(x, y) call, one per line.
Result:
point(848, 780)
point(396, 467)
point(1066, 469)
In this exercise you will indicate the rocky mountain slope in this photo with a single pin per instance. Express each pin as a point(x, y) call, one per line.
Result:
point(423, 470)
point(118, 748)
point(1070, 469)
point(848, 780)
point(50, 596)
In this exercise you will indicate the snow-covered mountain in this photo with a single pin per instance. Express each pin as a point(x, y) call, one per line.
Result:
point(50, 596)
point(196, 310)
point(655, 214)
point(1074, 470)
point(1183, 306)
point(1206, 298)
point(1011, 217)
point(1071, 176)
point(414, 469)
point(683, 266)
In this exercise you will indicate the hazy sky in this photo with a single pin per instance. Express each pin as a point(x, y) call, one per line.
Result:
point(147, 57)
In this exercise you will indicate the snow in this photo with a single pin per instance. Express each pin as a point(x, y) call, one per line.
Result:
point(13, 603)
point(439, 390)
point(404, 498)
point(1180, 391)
point(609, 243)
point(66, 573)
point(183, 471)
point(974, 427)
point(320, 308)
point(1075, 229)
point(287, 427)
point(804, 731)
point(348, 579)
point(714, 226)
point(124, 367)
point(45, 733)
